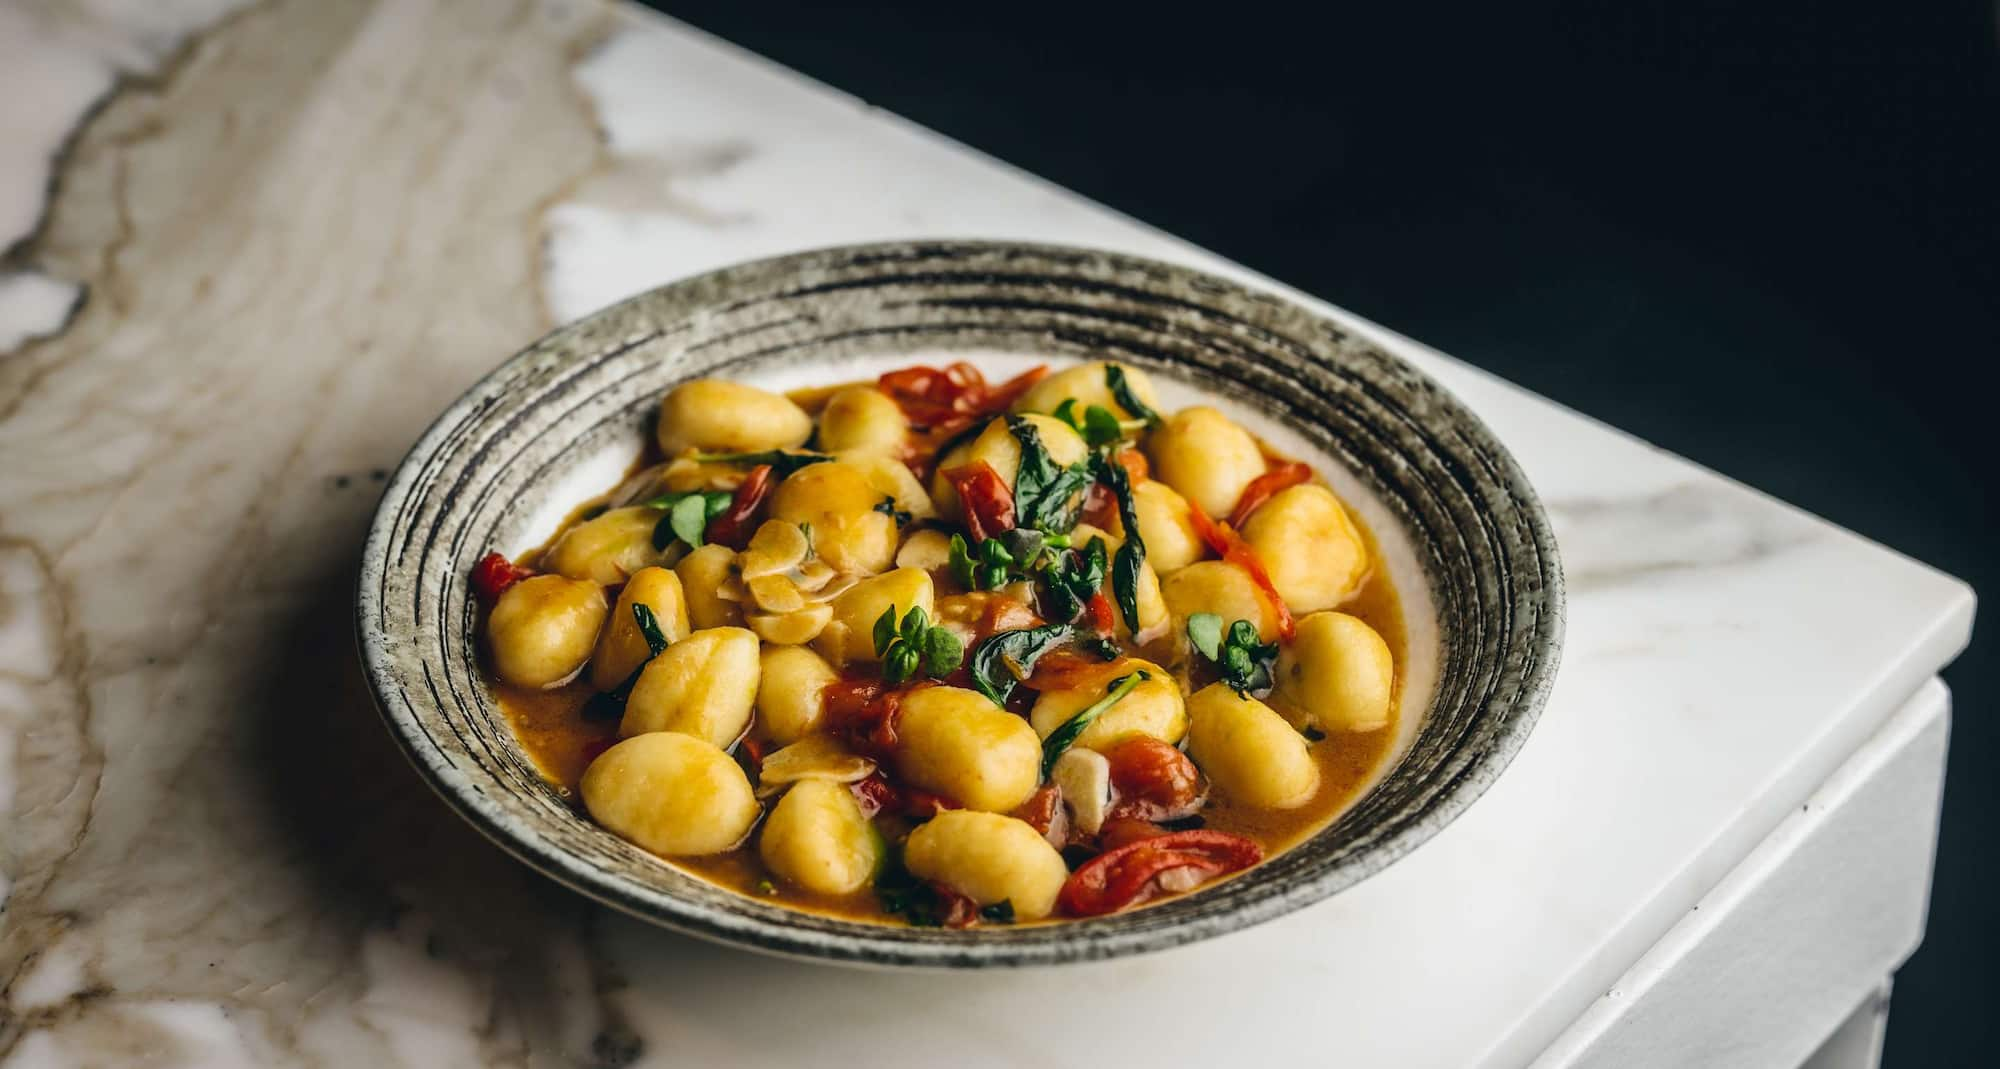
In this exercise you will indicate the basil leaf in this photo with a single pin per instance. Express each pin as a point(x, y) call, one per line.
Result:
point(1099, 647)
point(961, 564)
point(1204, 630)
point(1044, 492)
point(1001, 912)
point(996, 660)
point(900, 664)
point(1121, 391)
point(1100, 427)
point(1023, 544)
point(781, 462)
point(1065, 736)
point(649, 627)
point(915, 623)
point(901, 893)
point(885, 631)
point(1243, 633)
point(689, 518)
point(1067, 412)
point(1131, 554)
point(943, 652)
point(887, 507)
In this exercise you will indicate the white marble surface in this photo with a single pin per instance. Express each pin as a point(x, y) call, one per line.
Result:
point(325, 219)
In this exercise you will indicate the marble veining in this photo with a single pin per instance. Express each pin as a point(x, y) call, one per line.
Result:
point(322, 220)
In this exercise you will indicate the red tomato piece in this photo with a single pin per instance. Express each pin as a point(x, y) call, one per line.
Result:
point(493, 575)
point(734, 527)
point(923, 805)
point(876, 795)
point(1153, 780)
point(1131, 874)
point(1231, 547)
point(1263, 487)
point(1134, 463)
point(987, 500)
point(1124, 831)
point(1098, 610)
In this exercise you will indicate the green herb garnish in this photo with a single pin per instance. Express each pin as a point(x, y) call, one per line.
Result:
point(1065, 736)
point(1244, 662)
point(781, 462)
point(1132, 553)
point(915, 645)
point(887, 507)
point(1097, 426)
point(1071, 579)
point(1047, 496)
point(1121, 391)
point(902, 894)
point(1000, 663)
point(1001, 912)
point(688, 515)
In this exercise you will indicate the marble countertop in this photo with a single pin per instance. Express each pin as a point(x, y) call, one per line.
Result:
point(294, 231)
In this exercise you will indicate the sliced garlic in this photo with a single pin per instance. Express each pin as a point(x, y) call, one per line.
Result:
point(776, 594)
point(791, 628)
point(1084, 777)
point(813, 757)
point(777, 547)
point(928, 549)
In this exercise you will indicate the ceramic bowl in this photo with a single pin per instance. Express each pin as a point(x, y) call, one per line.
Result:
point(1466, 541)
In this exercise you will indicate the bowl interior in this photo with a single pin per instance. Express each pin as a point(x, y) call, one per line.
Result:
point(1466, 544)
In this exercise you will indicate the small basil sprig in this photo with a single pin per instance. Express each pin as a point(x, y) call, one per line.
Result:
point(1000, 663)
point(1047, 496)
point(915, 645)
point(1244, 662)
point(610, 704)
point(1001, 912)
point(1071, 579)
point(1098, 426)
point(781, 462)
point(1132, 553)
point(1017, 553)
point(1065, 736)
point(688, 515)
point(1121, 391)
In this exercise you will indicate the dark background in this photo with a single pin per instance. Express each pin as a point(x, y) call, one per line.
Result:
point(1763, 236)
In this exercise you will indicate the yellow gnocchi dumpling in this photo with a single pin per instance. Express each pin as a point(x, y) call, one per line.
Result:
point(1309, 547)
point(542, 629)
point(702, 574)
point(818, 838)
point(838, 500)
point(1153, 708)
point(988, 858)
point(1248, 751)
point(671, 794)
point(954, 742)
point(1206, 457)
point(862, 418)
point(791, 692)
point(705, 685)
point(622, 648)
point(1087, 384)
point(1336, 674)
point(1221, 588)
point(716, 416)
point(608, 548)
point(1166, 526)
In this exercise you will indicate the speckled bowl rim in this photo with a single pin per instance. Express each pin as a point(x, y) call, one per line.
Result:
point(1470, 773)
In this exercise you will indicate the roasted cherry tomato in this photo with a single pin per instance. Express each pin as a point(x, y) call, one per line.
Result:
point(734, 527)
point(863, 710)
point(1131, 874)
point(952, 398)
point(1281, 477)
point(493, 575)
point(1231, 547)
point(1153, 780)
point(987, 500)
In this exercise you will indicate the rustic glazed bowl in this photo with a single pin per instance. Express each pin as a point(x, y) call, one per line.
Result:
point(1466, 542)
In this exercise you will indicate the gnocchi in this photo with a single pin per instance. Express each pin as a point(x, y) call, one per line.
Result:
point(670, 793)
point(855, 693)
point(705, 685)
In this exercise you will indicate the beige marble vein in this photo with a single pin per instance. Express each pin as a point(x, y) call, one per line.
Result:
point(214, 854)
